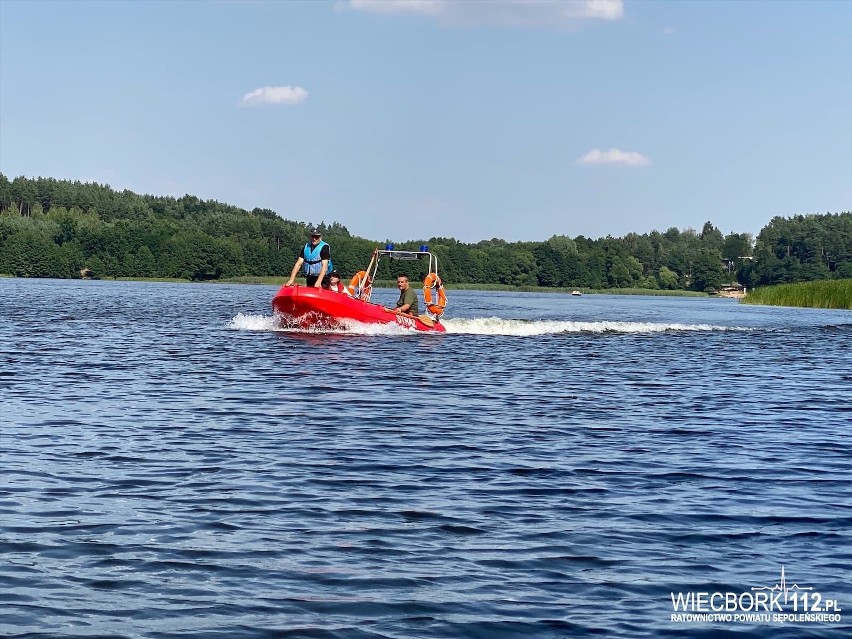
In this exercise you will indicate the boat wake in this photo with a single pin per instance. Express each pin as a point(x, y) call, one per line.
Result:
point(481, 326)
point(533, 328)
point(280, 324)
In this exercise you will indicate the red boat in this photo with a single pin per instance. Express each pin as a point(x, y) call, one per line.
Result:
point(310, 307)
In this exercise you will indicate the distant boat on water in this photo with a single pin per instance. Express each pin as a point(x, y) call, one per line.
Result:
point(577, 293)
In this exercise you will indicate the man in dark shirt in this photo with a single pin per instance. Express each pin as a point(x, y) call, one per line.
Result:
point(316, 258)
point(407, 302)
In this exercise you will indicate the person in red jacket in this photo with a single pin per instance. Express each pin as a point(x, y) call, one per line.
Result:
point(336, 285)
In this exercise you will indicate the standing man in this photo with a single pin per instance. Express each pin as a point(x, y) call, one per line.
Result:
point(407, 302)
point(316, 258)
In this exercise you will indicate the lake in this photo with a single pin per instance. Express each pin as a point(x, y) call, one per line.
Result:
point(175, 466)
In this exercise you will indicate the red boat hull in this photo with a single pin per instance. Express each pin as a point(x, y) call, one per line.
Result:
point(308, 306)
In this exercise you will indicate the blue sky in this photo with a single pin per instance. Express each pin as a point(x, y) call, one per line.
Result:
point(407, 120)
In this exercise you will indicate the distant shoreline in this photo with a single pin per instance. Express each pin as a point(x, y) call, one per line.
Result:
point(827, 294)
point(279, 281)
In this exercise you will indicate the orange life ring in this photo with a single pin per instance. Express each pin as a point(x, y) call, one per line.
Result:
point(433, 281)
point(360, 281)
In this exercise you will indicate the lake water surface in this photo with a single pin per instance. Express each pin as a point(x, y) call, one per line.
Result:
point(173, 465)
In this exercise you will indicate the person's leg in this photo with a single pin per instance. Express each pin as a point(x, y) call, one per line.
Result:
point(310, 280)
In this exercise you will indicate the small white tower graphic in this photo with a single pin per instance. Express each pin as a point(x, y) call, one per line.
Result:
point(782, 586)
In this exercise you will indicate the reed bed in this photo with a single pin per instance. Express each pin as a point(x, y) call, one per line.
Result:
point(649, 291)
point(584, 291)
point(818, 294)
point(275, 280)
point(172, 280)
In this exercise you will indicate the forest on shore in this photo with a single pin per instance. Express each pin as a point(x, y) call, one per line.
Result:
point(68, 229)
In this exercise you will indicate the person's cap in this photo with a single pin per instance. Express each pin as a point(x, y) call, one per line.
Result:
point(334, 274)
point(316, 231)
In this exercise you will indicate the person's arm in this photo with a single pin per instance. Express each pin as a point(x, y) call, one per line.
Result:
point(296, 268)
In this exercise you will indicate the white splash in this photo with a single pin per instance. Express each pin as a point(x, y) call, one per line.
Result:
point(479, 326)
point(526, 328)
point(249, 322)
point(359, 328)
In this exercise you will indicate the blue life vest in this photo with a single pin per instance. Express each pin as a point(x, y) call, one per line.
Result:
point(313, 263)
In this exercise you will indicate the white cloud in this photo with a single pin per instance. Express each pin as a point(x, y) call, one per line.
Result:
point(613, 156)
point(427, 7)
point(275, 95)
point(604, 9)
point(514, 13)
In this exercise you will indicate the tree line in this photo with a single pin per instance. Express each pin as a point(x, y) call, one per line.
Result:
point(65, 229)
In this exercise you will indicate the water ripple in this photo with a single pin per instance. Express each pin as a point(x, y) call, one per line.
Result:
point(551, 467)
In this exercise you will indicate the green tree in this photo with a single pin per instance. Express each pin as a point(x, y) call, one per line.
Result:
point(707, 271)
point(31, 254)
point(668, 279)
point(711, 237)
point(649, 281)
